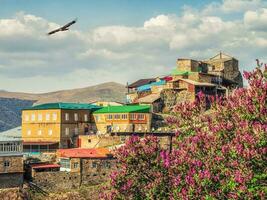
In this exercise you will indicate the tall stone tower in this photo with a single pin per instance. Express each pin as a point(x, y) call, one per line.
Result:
point(225, 66)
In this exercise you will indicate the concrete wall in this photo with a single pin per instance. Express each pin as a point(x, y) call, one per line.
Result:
point(96, 141)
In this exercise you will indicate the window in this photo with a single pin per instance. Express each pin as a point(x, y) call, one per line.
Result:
point(94, 164)
point(76, 116)
point(47, 117)
point(50, 132)
point(141, 116)
point(67, 116)
point(117, 116)
point(132, 116)
point(97, 118)
point(65, 163)
point(6, 163)
point(39, 132)
point(27, 118)
point(124, 116)
point(75, 165)
point(76, 131)
point(40, 117)
point(29, 132)
point(33, 117)
point(85, 117)
point(67, 131)
point(109, 117)
point(54, 116)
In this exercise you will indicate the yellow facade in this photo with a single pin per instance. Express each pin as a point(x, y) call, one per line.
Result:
point(122, 122)
point(41, 125)
point(55, 125)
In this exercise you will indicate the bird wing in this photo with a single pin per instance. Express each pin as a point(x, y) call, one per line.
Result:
point(54, 31)
point(69, 24)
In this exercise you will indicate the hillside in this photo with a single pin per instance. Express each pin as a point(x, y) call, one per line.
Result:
point(109, 91)
point(10, 112)
point(11, 103)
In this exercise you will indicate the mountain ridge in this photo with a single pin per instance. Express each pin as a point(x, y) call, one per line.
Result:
point(109, 91)
point(11, 103)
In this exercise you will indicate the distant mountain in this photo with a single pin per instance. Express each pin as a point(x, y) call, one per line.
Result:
point(11, 103)
point(109, 91)
point(10, 112)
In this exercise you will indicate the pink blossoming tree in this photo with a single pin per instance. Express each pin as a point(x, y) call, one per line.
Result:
point(217, 154)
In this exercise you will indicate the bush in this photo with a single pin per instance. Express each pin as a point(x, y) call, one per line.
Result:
point(217, 154)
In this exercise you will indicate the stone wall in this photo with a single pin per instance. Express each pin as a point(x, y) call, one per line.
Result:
point(172, 97)
point(90, 171)
point(10, 180)
point(187, 65)
point(15, 164)
point(57, 180)
point(97, 174)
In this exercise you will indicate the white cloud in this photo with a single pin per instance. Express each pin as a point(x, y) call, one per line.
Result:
point(32, 61)
point(233, 6)
point(161, 21)
point(240, 5)
point(256, 20)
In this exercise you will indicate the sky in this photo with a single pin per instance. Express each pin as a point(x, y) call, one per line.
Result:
point(121, 40)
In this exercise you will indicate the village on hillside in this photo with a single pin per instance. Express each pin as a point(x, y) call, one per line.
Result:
point(66, 145)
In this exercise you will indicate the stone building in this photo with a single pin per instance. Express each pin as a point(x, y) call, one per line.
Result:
point(48, 127)
point(215, 76)
point(76, 167)
point(225, 66)
point(11, 162)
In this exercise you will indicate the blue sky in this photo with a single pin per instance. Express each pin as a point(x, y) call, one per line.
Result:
point(93, 13)
point(121, 40)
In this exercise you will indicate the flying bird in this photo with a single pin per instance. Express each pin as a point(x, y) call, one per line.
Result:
point(63, 28)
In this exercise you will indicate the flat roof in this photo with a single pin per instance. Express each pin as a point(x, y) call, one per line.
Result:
point(84, 153)
point(12, 133)
point(141, 82)
point(124, 109)
point(4, 138)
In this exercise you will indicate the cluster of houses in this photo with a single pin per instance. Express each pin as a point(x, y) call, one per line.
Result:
point(69, 144)
point(214, 76)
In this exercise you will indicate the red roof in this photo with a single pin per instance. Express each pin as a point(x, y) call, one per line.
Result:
point(43, 166)
point(84, 153)
point(168, 78)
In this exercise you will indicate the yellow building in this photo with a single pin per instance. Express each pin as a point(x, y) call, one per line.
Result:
point(51, 126)
point(123, 119)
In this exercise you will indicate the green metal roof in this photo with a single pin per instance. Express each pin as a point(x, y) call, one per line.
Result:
point(180, 72)
point(124, 109)
point(177, 72)
point(65, 106)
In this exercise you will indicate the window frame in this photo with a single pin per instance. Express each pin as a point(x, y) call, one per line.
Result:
point(67, 116)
